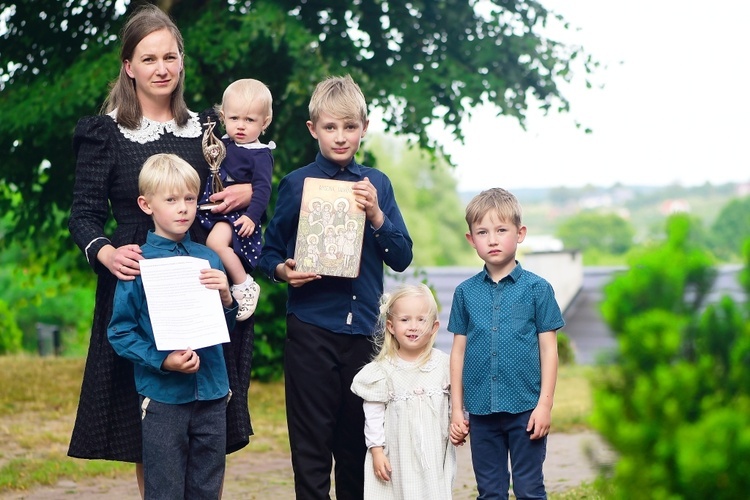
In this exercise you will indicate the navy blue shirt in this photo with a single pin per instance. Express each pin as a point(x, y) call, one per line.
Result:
point(340, 305)
point(132, 336)
point(502, 322)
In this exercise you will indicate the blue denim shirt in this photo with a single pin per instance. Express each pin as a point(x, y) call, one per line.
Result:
point(340, 305)
point(502, 322)
point(132, 337)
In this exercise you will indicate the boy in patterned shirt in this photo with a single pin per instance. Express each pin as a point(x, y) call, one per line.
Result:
point(504, 322)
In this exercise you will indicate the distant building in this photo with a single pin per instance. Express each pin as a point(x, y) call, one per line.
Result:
point(669, 207)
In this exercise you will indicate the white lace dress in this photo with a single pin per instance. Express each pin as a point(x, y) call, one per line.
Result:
point(417, 419)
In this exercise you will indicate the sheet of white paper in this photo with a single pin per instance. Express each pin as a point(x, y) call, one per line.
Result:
point(183, 312)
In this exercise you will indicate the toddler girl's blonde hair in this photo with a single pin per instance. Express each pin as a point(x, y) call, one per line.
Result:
point(387, 344)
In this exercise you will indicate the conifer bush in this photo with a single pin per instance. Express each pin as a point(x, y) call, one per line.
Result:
point(676, 405)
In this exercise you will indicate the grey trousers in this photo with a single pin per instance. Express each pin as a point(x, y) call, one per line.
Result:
point(184, 449)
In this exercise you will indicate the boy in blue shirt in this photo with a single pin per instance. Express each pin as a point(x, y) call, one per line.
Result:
point(504, 354)
point(183, 393)
point(330, 320)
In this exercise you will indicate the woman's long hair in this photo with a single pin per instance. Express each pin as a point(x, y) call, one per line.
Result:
point(145, 20)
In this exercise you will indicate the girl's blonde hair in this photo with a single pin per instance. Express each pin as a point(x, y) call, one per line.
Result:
point(387, 344)
point(146, 19)
point(248, 91)
point(167, 173)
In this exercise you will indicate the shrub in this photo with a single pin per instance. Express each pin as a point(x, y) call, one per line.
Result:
point(565, 353)
point(676, 406)
point(10, 334)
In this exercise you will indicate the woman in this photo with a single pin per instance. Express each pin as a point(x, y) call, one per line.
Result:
point(145, 113)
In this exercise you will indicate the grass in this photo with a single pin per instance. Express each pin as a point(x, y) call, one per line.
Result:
point(38, 398)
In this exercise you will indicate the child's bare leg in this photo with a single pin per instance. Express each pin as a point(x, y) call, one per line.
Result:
point(220, 241)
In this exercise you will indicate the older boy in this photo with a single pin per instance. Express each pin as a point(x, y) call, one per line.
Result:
point(330, 320)
point(183, 393)
point(504, 355)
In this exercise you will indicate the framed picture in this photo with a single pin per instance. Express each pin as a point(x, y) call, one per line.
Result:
point(331, 229)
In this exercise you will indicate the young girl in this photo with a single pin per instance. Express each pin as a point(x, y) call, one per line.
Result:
point(407, 403)
point(236, 236)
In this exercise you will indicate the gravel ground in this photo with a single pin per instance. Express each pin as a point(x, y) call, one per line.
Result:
point(571, 460)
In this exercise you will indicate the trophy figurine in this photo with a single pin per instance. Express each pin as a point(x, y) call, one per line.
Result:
point(214, 152)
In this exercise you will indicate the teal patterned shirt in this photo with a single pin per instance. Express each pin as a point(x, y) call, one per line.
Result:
point(502, 322)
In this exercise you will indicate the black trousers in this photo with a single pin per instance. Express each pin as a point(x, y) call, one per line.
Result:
point(325, 418)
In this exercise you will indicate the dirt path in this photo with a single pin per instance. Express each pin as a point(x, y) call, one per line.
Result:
point(269, 475)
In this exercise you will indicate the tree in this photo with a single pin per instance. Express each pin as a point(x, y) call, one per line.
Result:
point(426, 194)
point(419, 61)
point(606, 232)
point(731, 228)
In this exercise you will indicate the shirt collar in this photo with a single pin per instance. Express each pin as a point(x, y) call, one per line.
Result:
point(514, 275)
point(163, 243)
point(331, 169)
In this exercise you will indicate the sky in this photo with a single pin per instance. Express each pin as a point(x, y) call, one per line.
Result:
point(671, 106)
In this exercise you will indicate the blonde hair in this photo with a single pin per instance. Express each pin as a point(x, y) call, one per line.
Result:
point(145, 20)
point(249, 90)
point(387, 344)
point(167, 172)
point(497, 200)
point(341, 97)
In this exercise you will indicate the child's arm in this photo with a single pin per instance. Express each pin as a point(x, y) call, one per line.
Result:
point(125, 333)
point(541, 417)
point(459, 425)
point(383, 214)
point(261, 181)
point(366, 197)
point(375, 438)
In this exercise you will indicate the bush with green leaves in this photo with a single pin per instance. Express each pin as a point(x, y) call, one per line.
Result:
point(565, 353)
point(10, 334)
point(676, 405)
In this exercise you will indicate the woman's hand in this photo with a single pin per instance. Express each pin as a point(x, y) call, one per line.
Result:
point(121, 261)
point(232, 198)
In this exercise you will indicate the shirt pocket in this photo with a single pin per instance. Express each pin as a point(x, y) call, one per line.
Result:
point(522, 318)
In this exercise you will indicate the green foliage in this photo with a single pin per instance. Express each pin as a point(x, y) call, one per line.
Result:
point(606, 232)
point(10, 334)
point(426, 194)
point(270, 331)
point(678, 398)
point(40, 290)
point(731, 228)
point(675, 277)
point(565, 353)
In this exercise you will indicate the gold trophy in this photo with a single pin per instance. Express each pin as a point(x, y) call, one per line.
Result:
point(214, 152)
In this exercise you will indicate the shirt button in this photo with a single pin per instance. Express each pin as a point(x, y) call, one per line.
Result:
point(386, 250)
point(494, 377)
point(494, 328)
point(354, 297)
point(494, 354)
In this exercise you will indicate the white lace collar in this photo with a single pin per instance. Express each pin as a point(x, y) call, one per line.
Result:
point(151, 130)
point(254, 145)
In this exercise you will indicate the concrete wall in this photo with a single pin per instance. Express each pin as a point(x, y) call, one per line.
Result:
point(564, 271)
